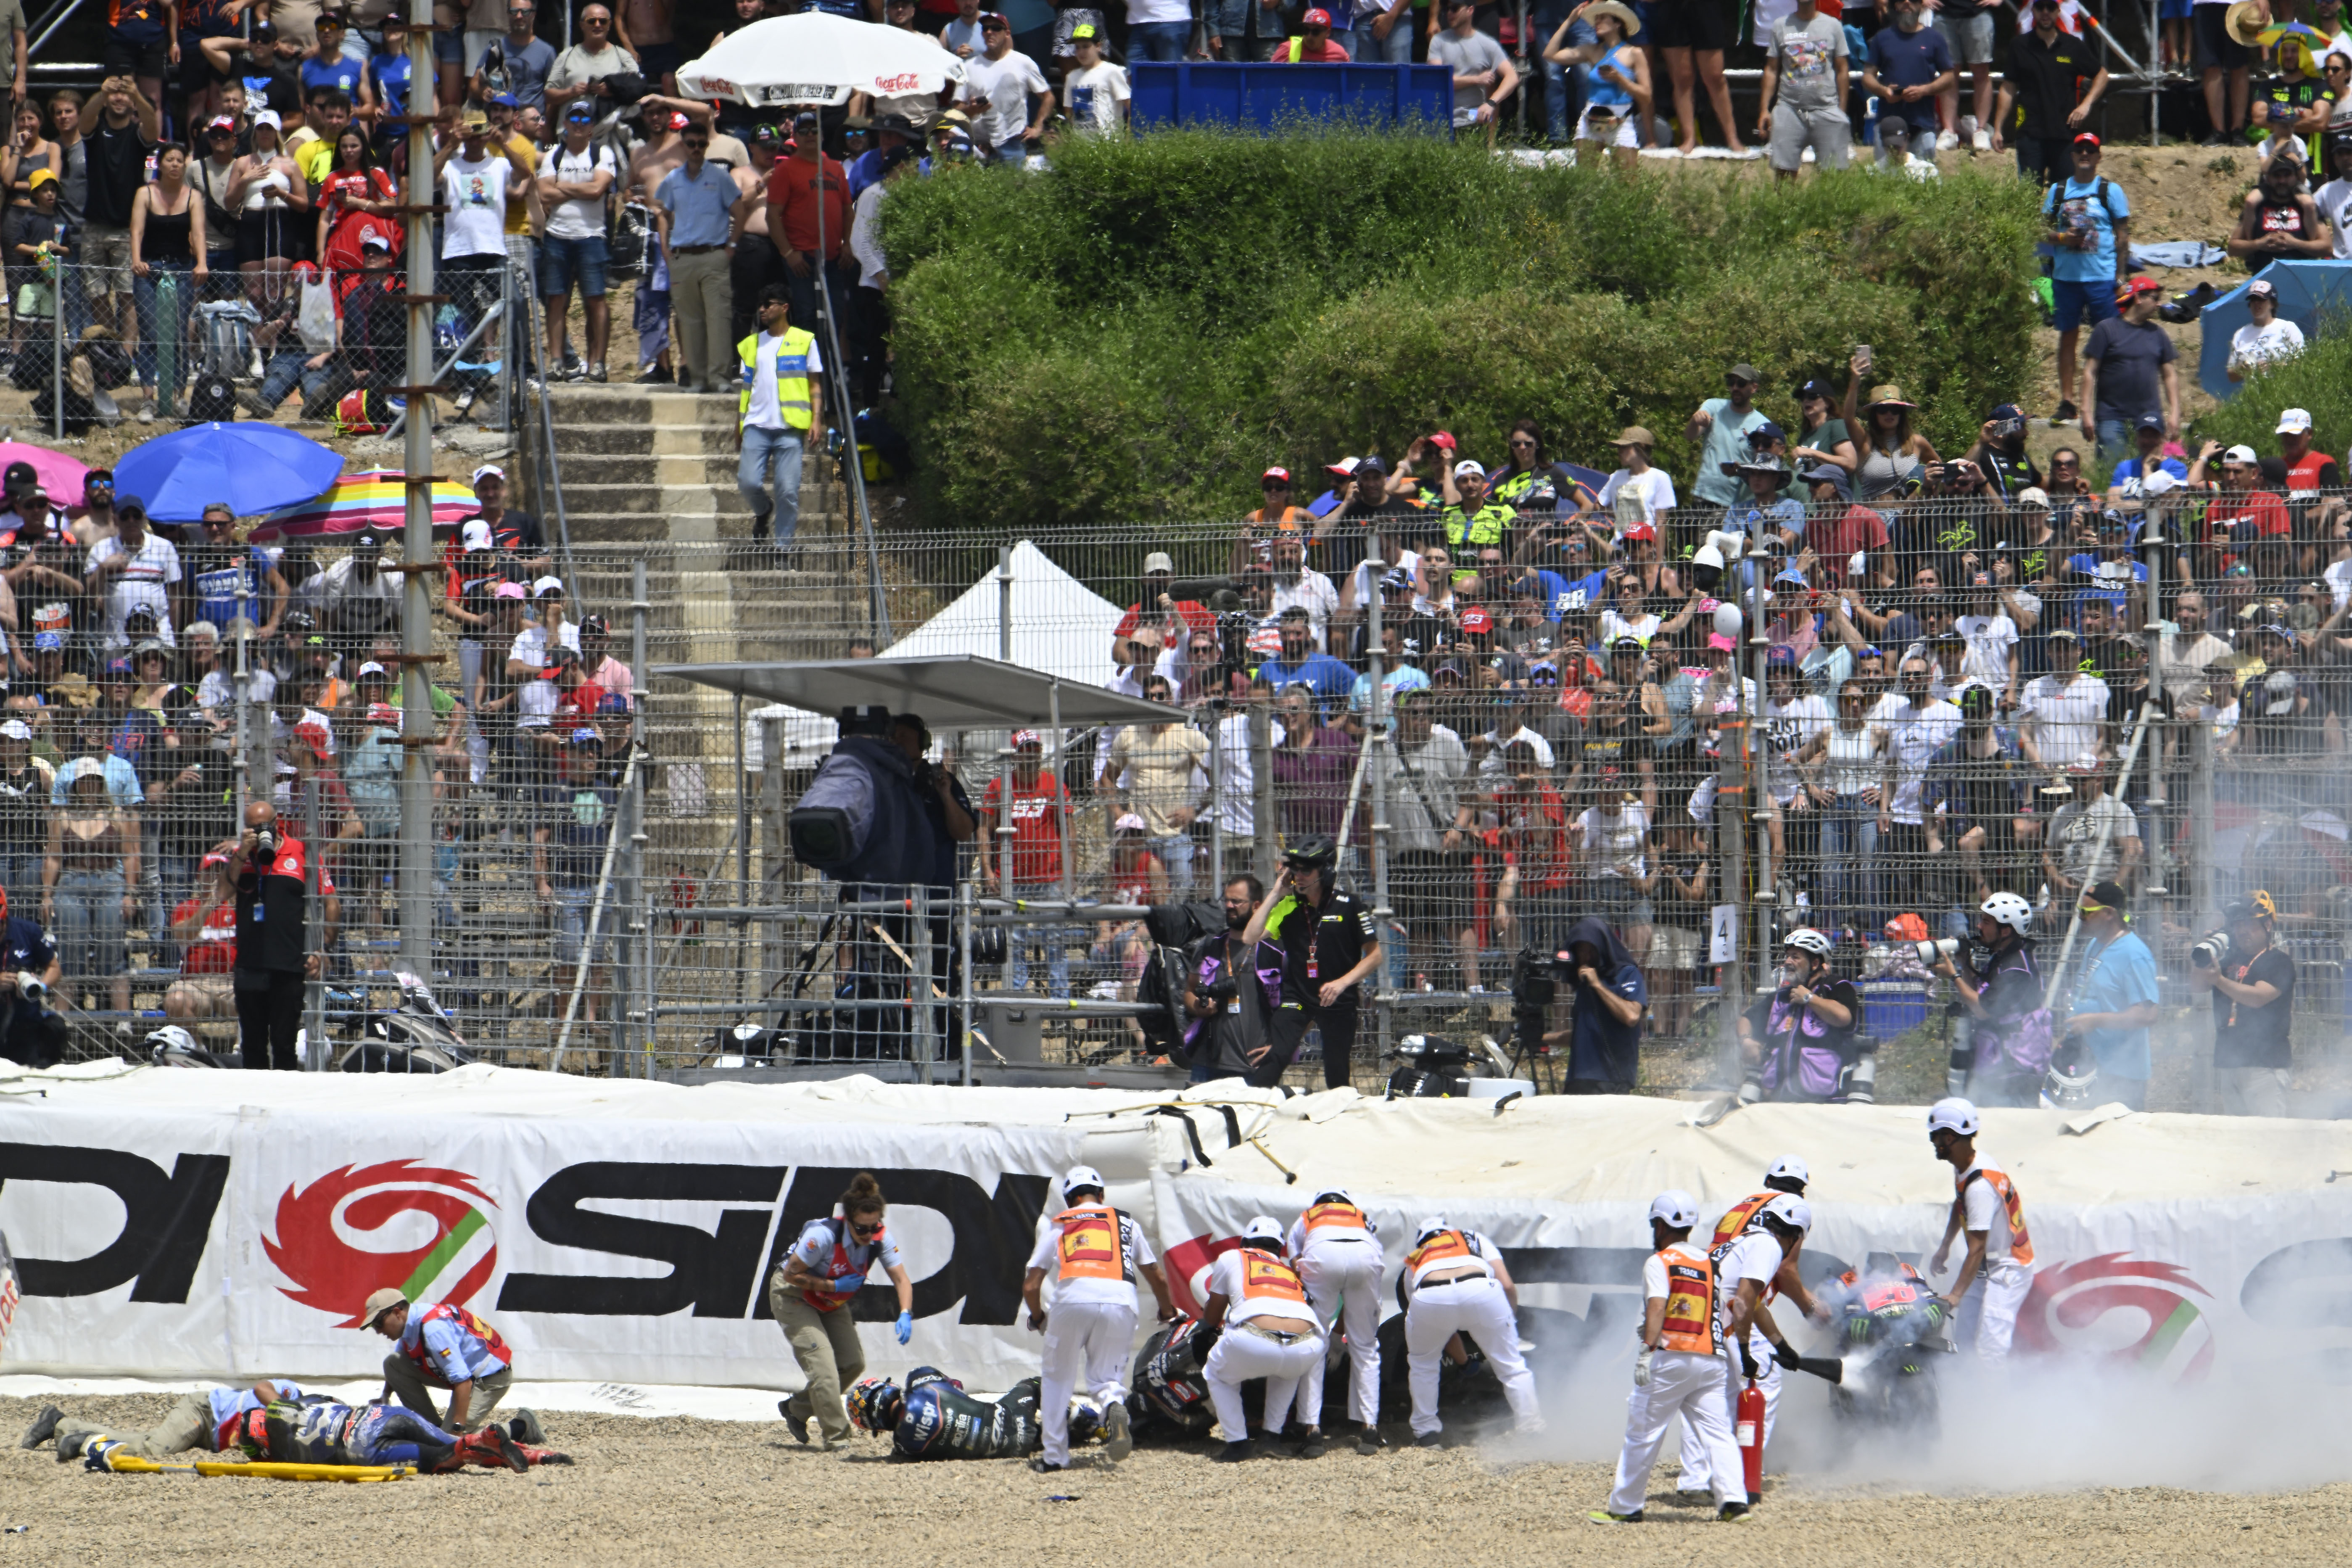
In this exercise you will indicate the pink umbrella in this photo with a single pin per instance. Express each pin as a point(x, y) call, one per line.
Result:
point(59, 475)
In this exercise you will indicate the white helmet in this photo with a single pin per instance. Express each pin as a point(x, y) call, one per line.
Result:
point(1263, 1228)
point(1789, 1209)
point(2010, 911)
point(1676, 1208)
point(1337, 1195)
point(169, 1041)
point(1430, 1226)
point(1953, 1114)
point(1788, 1167)
point(1809, 941)
point(1080, 1176)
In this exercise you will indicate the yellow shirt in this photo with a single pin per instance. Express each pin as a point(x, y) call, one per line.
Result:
point(314, 156)
point(518, 186)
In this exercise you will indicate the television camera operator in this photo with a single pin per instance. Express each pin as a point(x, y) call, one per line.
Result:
point(31, 1034)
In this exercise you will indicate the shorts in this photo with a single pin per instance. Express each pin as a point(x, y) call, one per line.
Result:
point(1067, 18)
point(1969, 38)
point(657, 60)
point(125, 57)
point(572, 906)
point(2078, 304)
point(2216, 50)
point(1826, 131)
point(449, 46)
point(105, 259)
point(564, 259)
point(1596, 123)
point(2174, 10)
point(270, 235)
point(1671, 947)
point(1690, 25)
point(1618, 902)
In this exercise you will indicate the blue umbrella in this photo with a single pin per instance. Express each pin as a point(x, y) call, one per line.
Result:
point(255, 468)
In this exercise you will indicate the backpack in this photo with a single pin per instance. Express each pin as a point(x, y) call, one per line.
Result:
point(2050, 200)
point(224, 328)
point(213, 398)
point(362, 412)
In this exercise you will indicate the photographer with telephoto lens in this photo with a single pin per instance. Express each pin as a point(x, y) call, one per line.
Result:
point(2252, 986)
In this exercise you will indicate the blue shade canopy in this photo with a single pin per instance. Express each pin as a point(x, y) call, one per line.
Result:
point(255, 468)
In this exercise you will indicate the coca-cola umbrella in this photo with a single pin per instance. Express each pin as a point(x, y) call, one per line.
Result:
point(814, 57)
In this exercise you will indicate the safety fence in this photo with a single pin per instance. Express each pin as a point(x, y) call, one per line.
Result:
point(1574, 713)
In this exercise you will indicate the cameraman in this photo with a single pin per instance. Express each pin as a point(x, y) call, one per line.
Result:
point(30, 1035)
point(272, 903)
point(1798, 1042)
point(1604, 1033)
point(2253, 985)
point(2003, 994)
point(1232, 991)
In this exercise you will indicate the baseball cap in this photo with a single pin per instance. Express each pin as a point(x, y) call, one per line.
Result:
point(504, 100)
point(120, 667)
point(373, 238)
point(1641, 530)
point(2031, 495)
point(678, 122)
point(996, 19)
point(1743, 371)
point(2241, 454)
point(1083, 30)
point(2001, 411)
point(1370, 464)
point(2293, 422)
point(2085, 763)
point(1318, 17)
point(584, 736)
point(218, 122)
point(379, 1303)
point(476, 536)
point(367, 541)
point(1274, 476)
point(49, 642)
point(1476, 622)
point(1158, 561)
point(2110, 894)
point(1764, 435)
point(16, 729)
point(269, 117)
point(581, 110)
point(1027, 738)
point(1469, 467)
point(2261, 288)
point(372, 668)
point(1830, 474)
point(2090, 136)
point(2149, 422)
point(2143, 286)
point(489, 471)
point(511, 591)
point(546, 585)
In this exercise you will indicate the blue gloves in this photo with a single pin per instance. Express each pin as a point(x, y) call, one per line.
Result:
point(906, 1326)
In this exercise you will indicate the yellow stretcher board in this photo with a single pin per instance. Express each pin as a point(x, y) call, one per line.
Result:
point(130, 1464)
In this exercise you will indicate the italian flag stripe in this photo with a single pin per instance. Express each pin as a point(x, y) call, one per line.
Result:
point(439, 1257)
point(2160, 1346)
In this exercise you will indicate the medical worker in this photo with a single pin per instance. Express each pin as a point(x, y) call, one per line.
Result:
point(1337, 1249)
point(1997, 1270)
point(1094, 1253)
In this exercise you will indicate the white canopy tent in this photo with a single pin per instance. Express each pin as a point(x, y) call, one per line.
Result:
point(1059, 627)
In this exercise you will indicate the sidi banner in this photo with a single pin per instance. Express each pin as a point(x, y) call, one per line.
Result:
point(201, 1244)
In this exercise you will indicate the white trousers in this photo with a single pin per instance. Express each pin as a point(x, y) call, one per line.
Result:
point(1345, 1281)
point(1988, 1315)
point(1239, 1355)
point(1478, 1307)
point(1689, 1389)
point(1083, 1339)
point(1698, 1470)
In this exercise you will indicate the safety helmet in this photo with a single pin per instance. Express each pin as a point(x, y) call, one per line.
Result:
point(1679, 1209)
point(1312, 852)
point(1787, 1212)
point(1263, 1228)
point(169, 1041)
point(1953, 1114)
point(2009, 910)
point(1809, 941)
point(1080, 1176)
point(1788, 1168)
point(1336, 1195)
point(874, 1405)
point(1430, 1226)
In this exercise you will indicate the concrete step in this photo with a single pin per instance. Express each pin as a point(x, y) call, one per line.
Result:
point(589, 404)
point(681, 469)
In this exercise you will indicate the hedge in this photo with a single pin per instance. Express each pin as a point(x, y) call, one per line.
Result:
point(1138, 334)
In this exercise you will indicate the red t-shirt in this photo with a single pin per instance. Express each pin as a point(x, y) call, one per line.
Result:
point(1036, 828)
point(1325, 53)
point(214, 950)
point(343, 253)
point(792, 193)
point(2260, 512)
point(1194, 615)
point(1835, 541)
point(2313, 472)
point(1534, 836)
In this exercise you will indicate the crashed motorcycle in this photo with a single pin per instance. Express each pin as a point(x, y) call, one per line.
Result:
point(1891, 1329)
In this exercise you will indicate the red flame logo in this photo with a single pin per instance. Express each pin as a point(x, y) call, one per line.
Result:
point(337, 1278)
point(2076, 1296)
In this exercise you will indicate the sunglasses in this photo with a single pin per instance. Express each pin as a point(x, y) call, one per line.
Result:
point(1522, 441)
point(874, 1229)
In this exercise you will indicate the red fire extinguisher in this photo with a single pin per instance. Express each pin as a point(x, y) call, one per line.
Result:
point(1748, 1427)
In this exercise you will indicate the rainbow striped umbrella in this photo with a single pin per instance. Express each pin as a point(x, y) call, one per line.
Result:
point(374, 501)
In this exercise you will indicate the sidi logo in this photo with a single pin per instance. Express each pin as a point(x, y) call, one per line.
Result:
point(347, 1235)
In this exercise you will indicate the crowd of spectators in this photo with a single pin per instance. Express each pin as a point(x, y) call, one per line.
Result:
point(139, 655)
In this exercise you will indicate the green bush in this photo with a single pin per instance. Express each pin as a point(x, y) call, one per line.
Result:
point(2318, 379)
point(1135, 334)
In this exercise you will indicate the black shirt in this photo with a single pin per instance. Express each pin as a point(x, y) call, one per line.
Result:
point(271, 902)
point(118, 167)
point(2247, 1037)
point(2047, 80)
point(1319, 946)
point(23, 812)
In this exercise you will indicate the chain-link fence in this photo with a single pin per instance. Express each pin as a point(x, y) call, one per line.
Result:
point(1934, 699)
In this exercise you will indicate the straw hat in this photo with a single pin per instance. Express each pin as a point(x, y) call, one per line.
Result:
point(2245, 21)
point(1624, 15)
point(1888, 396)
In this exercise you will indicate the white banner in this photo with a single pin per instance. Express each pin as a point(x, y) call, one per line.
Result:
point(207, 1243)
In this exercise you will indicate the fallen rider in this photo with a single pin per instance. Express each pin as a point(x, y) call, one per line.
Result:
point(320, 1432)
point(933, 1418)
point(206, 1420)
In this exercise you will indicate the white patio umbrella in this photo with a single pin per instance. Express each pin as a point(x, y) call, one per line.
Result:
point(813, 58)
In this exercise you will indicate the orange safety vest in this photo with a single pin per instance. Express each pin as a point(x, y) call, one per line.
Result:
point(1690, 1326)
point(464, 1320)
point(1335, 1215)
point(1735, 1219)
point(2021, 1242)
point(1267, 1278)
point(1089, 1244)
point(1445, 1246)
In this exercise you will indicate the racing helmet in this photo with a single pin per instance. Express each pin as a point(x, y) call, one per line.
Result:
point(874, 1404)
point(253, 1432)
point(1676, 1208)
point(2009, 910)
point(1312, 852)
point(1953, 1114)
point(1805, 939)
point(1085, 1419)
point(171, 1043)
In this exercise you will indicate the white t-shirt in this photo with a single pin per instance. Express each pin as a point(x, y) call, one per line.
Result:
point(762, 413)
point(2251, 345)
point(1755, 1254)
point(1614, 841)
point(1334, 1241)
point(1095, 96)
point(1787, 727)
point(144, 584)
point(476, 191)
point(576, 217)
point(1991, 639)
point(2068, 715)
point(1144, 10)
point(1134, 1253)
point(1005, 85)
point(1914, 732)
point(530, 644)
point(1313, 593)
point(2334, 200)
point(1652, 488)
point(1983, 1210)
point(1226, 1279)
point(1490, 766)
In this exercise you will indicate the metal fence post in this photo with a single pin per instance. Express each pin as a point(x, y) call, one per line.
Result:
point(65, 277)
point(416, 720)
point(640, 895)
point(1267, 831)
